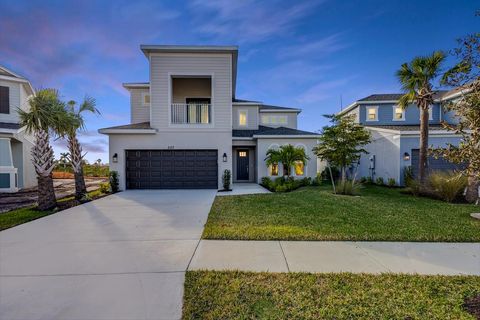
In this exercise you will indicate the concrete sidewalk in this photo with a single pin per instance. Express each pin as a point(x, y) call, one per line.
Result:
point(338, 256)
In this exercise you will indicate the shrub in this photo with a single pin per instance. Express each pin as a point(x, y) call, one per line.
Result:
point(348, 187)
point(317, 181)
point(447, 185)
point(408, 176)
point(113, 175)
point(105, 187)
point(326, 173)
point(62, 175)
point(363, 180)
point(391, 182)
point(226, 177)
point(369, 180)
point(281, 188)
point(306, 181)
point(266, 182)
point(380, 181)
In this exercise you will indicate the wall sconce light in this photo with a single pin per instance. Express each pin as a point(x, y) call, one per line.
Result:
point(406, 156)
point(115, 158)
point(224, 157)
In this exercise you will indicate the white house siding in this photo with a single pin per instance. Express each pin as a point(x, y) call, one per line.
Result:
point(221, 141)
point(385, 146)
point(252, 117)
point(263, 144)
point(138, 111)
point(219, 66)
point(184, 88)
point(15, 101)
point(291, 119)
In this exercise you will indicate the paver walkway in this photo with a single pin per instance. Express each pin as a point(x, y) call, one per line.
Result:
point(120, 257)
point(338, 256)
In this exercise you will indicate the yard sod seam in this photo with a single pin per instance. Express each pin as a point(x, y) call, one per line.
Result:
point(314, 213)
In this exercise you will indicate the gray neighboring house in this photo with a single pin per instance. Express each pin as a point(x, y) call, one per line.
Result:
point(16, 168)
point(396, 134)
point(187, 126)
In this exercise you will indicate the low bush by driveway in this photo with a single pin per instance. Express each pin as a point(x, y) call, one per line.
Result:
point(314, 213)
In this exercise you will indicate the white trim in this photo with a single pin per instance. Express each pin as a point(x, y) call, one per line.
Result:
point(127, 131)
point(242, 138)
point(304, 136)
point(366, 114)
point(394, 107)
point(280, 110)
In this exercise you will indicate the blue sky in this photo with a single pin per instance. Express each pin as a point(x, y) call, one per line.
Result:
point(304, 54)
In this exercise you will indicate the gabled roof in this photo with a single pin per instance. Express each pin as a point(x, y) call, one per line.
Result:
point(267, 107)
point(141, 127)
point(396, 96)
point(12, 76)
point(269, 131)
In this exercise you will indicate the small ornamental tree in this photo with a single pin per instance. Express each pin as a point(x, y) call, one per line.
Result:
point(465, 76)
point(341, 143)
point(288, 155)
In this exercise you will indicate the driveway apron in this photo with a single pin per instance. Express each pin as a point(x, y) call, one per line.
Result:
point(120, 257)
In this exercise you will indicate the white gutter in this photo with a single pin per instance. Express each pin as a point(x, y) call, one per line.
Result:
point(297, 136)
point(127, 131)
point(280, 110)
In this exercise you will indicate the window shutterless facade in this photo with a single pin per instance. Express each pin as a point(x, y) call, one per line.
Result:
point(398, 113)
point(4, 99)
point(242, 118)
point(274, 169)
point(372, 114)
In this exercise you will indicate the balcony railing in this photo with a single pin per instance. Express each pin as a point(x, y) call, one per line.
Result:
point(191, 113)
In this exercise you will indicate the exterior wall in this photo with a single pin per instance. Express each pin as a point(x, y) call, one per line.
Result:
point(222, 142)
point(163, 66)
point(291, 119)
point(15, 101)
point(183, 88)
point(355, 112)
point(252, 117)
point(251, 163)
point(385, 115)
point(138, 111)
point(407, 143)
point(264, 144)
point(21, 145)
point(385, 147)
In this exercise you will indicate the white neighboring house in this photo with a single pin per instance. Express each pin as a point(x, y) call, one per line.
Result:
point(187, 126)
point(16, 168)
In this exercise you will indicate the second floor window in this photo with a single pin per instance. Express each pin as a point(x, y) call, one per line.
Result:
point(398, 113)
point(4, 100)
point(146, 99)
point(242, 118)
point(372, 114)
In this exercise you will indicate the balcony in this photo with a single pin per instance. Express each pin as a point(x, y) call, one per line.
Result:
point(191, 113)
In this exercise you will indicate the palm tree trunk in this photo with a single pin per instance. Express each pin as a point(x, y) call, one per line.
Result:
point(43, 161)
point(423, 163)
point(472, 194)
point(76, 159)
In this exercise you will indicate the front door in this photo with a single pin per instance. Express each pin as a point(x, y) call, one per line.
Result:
point(242, 164)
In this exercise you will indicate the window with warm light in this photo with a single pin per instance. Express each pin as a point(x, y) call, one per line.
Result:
point(398, 113)
point(242, 154)
point(242, 118)
point(372, 114)
point(274, 169)
point(299, 168)
point(146, 99)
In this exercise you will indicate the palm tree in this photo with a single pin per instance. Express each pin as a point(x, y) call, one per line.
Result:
point(45, 117)
point(416, 79)
point(288, 155)
point(64, 156)
point(77, 122)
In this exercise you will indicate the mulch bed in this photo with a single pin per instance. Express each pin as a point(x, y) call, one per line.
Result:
point(472, 305)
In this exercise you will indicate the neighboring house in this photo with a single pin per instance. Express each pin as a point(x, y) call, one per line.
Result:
point(396, 134)
point(16, 168)
point(187, 126)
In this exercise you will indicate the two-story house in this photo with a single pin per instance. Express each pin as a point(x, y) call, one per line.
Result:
point(396, 134)
point(187, 126)
point(16, 168)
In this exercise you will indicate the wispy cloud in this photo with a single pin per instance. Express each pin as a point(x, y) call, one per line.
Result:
point(314, 48)
point(249, 21)
point(322, 90)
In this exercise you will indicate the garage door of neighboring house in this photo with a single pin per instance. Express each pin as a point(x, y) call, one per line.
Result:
point(439, 164)
point(171, 169)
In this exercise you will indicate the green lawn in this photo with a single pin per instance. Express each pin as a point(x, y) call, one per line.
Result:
point(239, 295)
point(314, 213)
point(15, 217)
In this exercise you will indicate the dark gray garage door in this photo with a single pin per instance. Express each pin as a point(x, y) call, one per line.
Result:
point(171, 169)
point(439, 164)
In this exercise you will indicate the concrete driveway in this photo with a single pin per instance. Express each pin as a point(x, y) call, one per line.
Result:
point(120, 257)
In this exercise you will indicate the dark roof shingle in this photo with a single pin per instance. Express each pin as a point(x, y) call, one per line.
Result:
point(396, 96)
point(8, 125)
point(268, 131)
point(405, 127)
point(140, 125)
